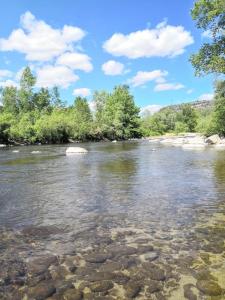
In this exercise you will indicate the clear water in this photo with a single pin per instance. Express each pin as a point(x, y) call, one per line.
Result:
point(158, 192)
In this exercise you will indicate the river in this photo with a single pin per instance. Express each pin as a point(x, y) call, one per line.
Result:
point(127, 220)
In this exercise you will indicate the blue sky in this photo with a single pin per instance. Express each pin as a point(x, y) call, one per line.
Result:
point(88, 45)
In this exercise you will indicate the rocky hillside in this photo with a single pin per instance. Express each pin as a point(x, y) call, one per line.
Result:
point(203, 104)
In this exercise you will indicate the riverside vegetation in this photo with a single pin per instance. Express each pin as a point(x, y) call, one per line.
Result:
point(29, 115)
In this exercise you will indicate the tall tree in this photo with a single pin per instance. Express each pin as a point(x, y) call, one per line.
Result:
point(210, 15)
point(121, 115)
point(41, 100)
point(27, 83)
point(9, 99)
point(219, 108)
point(82, 119)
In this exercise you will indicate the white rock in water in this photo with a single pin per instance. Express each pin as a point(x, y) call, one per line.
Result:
point(213, 139)
point(2, 145)
point(115, 141)
point(15, 151)
point(75, 150)
point(35, 152)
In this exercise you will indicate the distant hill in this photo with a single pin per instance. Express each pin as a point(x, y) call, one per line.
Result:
point(198, 104)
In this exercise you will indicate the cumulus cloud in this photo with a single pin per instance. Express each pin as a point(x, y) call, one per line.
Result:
point(143, 77)
point(49, 76)
point(76, 61)
point(8, 82)
point(150, 109)
point(163, 41)
point(168, 87)
point(83, 92)
point(113, 67)
point(39, 41)
point(206, 97)
point(5, 74)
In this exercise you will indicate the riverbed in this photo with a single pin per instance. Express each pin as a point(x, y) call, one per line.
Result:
point(127, 220)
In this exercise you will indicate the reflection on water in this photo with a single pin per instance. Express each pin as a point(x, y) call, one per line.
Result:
point(121, 222)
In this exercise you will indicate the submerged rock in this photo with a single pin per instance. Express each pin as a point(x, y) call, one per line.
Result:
point(132, 289)
point(72, 294)
point(209, 287)
point(41, 291)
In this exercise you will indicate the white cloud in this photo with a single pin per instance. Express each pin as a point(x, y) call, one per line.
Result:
point(164, 40)
point(83, 92)
point(150, 109)
point(206, 97)
point(142, 77)
point(5, 74)
point(49, 76)
point(8, 82)
point(39, 41)
point(76, 61)
point(113, 67)
point(168, 87)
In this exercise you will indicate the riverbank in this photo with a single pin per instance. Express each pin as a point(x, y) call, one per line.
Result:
point(190, 140)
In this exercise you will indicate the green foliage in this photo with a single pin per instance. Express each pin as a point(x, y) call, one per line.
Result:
point(219, 110)
point(168, 120)
point(120, 115)
point(210, 15)
point(32, 115)
point(188, 116)
point(10, 100)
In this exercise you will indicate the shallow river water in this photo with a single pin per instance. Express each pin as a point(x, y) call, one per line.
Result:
point(131, 220)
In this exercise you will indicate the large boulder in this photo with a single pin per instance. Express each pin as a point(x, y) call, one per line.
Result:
point(75, 150)
point(213, 139)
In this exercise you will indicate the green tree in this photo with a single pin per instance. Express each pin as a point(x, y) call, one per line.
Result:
point(210, 15)
point(219, 108)
point(10, 100)
point(82, 119)
point(41, 100)
point(26, 95)
point(188, 116)
point(121, 115)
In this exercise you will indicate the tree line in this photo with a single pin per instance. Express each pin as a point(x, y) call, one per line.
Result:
point(31, 115)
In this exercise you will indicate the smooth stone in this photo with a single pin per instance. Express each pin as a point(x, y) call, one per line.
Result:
point(188, 293)
point(15, 151)
point(97, 257)
point(209, 287)
point(72, 294)
point(2, 145)
point(111, 267)
point(75, 150)
point(213, 139)
point(153, 287)
point(144, 248)
point(150, 256)
point(154, 272)
point(132, 289)
point(101, 286)
point(35, 152)
point(41, 291)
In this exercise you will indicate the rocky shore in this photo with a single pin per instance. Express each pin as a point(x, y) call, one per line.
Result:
point(191, 140)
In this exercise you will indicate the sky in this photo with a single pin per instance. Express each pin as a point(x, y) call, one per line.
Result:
point(87, 45)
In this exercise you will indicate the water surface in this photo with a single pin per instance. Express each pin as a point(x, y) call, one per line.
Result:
point(161, 207)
